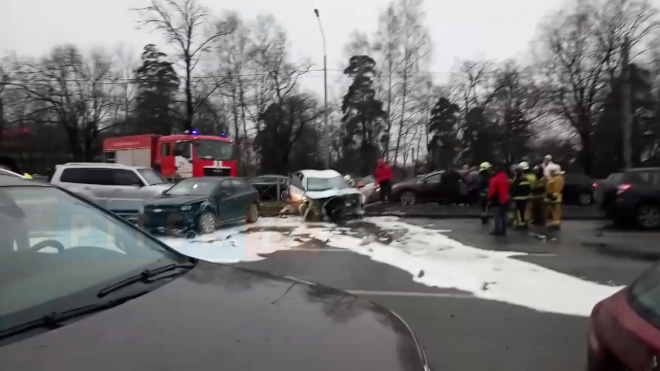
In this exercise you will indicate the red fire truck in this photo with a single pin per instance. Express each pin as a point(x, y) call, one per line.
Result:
point(175, 156)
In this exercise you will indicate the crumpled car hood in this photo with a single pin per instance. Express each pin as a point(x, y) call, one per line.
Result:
point(318, 195)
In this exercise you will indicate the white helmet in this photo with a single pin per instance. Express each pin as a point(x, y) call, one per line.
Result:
point(524, 165)
point(347, 177)
point(554, 169)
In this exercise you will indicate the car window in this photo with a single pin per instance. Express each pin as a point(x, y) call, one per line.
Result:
point(193, 187)
point(296, 181)
point(183, 149)
point(239, 184)
point(644, 295)
point(152, 176)
point(435, 178)
point(227, 187)
point(87, 176)
point(125, 178)
point(324, 184)
point(81, 247)
point(165, 149)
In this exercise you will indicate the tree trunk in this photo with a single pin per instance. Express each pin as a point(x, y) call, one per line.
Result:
point(189, 99)
point(585, 153)
point(403, 105)
point(389, 113)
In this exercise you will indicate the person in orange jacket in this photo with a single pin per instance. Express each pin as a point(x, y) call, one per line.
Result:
point(553, 194)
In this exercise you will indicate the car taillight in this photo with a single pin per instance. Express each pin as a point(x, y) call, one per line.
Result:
point(360, 185)
point(623, 188)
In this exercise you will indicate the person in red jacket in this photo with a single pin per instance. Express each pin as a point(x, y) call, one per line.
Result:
point(383, 177)
point(498, 196)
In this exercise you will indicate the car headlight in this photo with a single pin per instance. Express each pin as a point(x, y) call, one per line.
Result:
point(186, 207)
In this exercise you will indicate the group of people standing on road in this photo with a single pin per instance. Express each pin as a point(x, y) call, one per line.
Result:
point(521, 194)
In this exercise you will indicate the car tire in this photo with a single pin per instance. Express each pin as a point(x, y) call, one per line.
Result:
point(585, 198)
point(648, 216)
point(252, 213)
point(407, 198)
point(207, 223)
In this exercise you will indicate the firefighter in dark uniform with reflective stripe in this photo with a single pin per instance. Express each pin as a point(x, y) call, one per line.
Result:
point(520, 190)
point(485, 173)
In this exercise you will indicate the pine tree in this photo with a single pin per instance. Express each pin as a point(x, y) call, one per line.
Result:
point(158, 84)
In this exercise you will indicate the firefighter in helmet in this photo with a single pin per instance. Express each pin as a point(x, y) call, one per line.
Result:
point(485, 173)
point(553, 196)
point(520, 192)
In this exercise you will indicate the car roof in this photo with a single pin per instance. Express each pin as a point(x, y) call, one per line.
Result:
point(103, 165)
point(14, 181)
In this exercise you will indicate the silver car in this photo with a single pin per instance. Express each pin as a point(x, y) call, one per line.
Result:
point(119, 188)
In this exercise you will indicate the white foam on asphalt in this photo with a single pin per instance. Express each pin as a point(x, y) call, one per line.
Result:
point(446, 263)
point(493, 275)
point(233, 244)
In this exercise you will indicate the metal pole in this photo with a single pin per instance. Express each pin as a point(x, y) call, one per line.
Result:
point(627, 105)
point(325, 94)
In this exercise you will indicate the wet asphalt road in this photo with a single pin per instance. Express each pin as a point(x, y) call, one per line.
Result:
point(459, 331)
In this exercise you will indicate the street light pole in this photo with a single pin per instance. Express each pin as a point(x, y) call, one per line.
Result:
point(325, 93)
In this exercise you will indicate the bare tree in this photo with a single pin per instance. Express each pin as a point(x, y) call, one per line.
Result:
point(182, 22)
point(70, 91)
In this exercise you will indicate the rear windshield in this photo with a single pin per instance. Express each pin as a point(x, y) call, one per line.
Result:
point(644, 295)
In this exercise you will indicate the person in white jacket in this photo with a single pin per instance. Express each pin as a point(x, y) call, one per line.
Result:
point(547, 164)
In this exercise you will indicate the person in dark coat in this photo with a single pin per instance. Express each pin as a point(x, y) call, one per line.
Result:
point(450, 186)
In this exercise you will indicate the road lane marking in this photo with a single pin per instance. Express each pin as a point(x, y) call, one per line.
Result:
point(450, 295)
point(316, 249)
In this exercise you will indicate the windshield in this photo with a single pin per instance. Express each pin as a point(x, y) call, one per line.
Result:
point(152, 176)
point(193, 187)
point(54, 247)
point(214, 150)
point(323, 184)
point(644, 295)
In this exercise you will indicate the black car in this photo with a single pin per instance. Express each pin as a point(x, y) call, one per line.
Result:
point(83, 289)
point(632, 197)
point(578, 189)
point(201, 204)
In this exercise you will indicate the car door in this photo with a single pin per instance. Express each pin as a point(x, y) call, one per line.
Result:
point(429, 188)
point(226, 201)
point(244, 195)
point(93, 182)
point(124, 190)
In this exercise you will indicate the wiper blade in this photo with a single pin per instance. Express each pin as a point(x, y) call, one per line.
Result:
point(145, 276)
point(54, 319)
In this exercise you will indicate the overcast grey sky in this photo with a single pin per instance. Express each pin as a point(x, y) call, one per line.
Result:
point(460, 29)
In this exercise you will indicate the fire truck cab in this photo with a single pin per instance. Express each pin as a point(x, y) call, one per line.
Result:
point(175, 156)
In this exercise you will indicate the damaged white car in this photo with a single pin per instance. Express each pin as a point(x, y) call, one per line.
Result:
point(324, 195)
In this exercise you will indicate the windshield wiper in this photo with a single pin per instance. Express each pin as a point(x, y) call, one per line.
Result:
point(145, 276)
point(55, 319)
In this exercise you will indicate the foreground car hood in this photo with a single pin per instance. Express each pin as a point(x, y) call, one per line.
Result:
point(219, 317)
point(176, 200)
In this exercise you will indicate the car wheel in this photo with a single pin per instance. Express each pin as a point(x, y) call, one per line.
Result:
point(648, 216)
point(207, 222)
point(585, 198)
point(407, 198)
point(252, 213)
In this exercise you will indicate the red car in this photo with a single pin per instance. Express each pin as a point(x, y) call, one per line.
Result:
point(624, 330)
